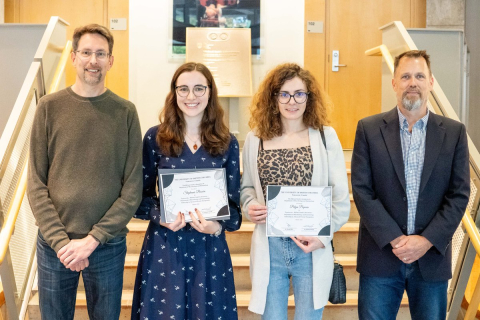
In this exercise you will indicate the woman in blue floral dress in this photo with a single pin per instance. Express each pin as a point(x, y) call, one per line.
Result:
point(185, 270)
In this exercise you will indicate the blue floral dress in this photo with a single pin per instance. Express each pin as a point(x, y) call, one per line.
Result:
point(185, 275)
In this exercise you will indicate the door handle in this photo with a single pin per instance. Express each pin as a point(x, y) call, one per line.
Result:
point(335, 60)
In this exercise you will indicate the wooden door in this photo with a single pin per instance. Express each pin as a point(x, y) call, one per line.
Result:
point(78, 13)
point(352, 27)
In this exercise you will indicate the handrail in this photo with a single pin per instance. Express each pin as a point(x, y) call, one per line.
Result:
point(60, 67)
point(12, 213)
point(474, 236)
point(472, 231)
point(382, 50)
point(13, 210)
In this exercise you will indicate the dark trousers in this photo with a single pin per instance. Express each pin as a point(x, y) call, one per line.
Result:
point(379, 298)
point(103, 281)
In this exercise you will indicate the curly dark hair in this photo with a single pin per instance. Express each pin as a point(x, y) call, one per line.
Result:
point(265, 116)
point(214, 134)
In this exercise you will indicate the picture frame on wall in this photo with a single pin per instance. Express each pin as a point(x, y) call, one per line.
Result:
point(214, 14)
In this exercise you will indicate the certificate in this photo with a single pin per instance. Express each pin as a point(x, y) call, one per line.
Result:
point(204, 189)
point(299, 211)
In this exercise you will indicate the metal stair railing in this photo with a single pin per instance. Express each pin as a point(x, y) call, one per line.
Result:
point(18, 129)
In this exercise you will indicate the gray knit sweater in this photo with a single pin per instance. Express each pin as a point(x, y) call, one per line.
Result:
point(85, 171)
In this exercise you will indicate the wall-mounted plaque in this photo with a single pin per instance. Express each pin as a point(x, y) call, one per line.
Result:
point(216, 14)
point(227, 53)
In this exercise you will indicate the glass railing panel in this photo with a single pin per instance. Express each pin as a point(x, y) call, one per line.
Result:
point(19, 42)
point(14, 146)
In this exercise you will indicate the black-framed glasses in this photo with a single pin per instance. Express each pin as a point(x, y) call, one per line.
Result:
point(299, 97)
point(184, 91)
point(86, 54)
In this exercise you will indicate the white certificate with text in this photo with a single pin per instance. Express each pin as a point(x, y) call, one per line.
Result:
point(205, 190)
point(299, 211)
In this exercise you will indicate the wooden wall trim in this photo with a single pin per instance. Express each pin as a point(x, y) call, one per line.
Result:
point(418, 18)
point(12, 11)
point(314, 48)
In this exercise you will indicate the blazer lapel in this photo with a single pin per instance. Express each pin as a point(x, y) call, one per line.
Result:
point(391, 135)
point(433, 146)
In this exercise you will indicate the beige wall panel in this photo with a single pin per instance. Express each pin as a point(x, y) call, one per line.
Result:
point(419, 14)
point(11, 11)
point(352, 27)
point(117, 78)
point(78, 13)
point(314, 51)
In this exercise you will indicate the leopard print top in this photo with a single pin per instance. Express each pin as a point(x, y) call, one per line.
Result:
point(285, 167)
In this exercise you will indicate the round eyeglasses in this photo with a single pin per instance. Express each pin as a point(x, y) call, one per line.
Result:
point(184, 91)
point(298, 97)
point(86, 54)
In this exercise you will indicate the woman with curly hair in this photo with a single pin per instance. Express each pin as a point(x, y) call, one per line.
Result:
point(185, 269)
point(285, 147)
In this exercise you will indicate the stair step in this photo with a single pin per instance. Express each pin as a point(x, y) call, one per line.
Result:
point(240, 262)
point(243, 298)
point(241, 270)
point(338, 311)
point(345, 239)
point(349, 177)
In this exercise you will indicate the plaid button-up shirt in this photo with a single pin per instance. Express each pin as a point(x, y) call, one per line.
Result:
point(413, 150)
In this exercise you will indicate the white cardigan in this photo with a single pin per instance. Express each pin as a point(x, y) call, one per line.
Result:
point(328, 169)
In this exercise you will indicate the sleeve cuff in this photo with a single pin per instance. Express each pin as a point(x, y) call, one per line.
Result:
point(98, 236)
point(59, 245)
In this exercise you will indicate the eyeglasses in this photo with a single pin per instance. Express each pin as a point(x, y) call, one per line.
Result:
point(86, 54)
point(198, 91)
point(299, 97)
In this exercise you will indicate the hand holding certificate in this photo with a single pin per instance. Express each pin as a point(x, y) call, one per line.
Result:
point(184, 192)
point(299, 211)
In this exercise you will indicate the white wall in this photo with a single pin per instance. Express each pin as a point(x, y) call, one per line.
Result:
point(151, 68)
point(472, 35)
point(2, 11)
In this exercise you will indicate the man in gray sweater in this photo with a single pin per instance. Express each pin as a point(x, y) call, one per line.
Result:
point(84, 184)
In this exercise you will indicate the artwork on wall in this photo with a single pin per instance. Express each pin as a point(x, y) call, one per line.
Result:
point(215, 13)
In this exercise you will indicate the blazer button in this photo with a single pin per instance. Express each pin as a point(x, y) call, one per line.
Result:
point(404, 227)
point(404, 198)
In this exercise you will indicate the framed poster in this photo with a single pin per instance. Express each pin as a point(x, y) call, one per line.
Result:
point(215, 14)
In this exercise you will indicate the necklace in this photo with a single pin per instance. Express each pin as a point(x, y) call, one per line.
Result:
point(195, 147)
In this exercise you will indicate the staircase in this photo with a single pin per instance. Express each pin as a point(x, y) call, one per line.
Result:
point(239, 244)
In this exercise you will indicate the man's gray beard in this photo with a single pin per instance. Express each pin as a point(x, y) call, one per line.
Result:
point(412, 105)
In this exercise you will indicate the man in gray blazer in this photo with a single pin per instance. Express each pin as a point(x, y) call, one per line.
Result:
point(411, 185)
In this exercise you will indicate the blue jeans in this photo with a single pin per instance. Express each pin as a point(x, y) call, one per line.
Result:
point(380, 298)
point(287, 261)
point(103, 280)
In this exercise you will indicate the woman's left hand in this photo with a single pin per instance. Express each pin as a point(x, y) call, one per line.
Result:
point(308, 244)
point(202, 225)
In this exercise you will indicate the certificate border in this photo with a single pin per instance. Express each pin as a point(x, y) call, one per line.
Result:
point(185, 171)
point(302, 187)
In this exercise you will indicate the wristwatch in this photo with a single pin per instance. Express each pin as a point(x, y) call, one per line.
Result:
point(218, 232)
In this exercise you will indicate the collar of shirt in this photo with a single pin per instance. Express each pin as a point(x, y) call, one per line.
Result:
point(422, 123)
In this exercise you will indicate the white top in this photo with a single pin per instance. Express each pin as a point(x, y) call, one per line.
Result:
point(328, 170)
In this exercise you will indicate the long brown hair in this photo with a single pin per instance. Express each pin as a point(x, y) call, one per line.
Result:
point(214, 134)
point(265, 116)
